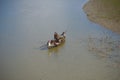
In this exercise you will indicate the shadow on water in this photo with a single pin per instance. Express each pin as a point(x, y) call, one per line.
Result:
point(43, 47)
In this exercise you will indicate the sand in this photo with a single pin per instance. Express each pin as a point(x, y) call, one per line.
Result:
point(105, 13)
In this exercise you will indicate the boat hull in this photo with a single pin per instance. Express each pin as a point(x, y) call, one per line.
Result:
point(62, 40)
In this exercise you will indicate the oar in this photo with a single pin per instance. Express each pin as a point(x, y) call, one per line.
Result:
point(66, 29)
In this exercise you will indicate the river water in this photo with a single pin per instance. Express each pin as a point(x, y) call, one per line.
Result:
point(90, 52)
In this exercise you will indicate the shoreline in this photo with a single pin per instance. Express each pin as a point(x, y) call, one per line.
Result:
point(105, 13)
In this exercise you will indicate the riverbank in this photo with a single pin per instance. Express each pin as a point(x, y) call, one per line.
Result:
point(105, 13)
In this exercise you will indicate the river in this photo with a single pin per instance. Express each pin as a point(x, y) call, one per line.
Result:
point(91, 52)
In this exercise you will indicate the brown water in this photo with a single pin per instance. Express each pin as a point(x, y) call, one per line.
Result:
point(90, 52)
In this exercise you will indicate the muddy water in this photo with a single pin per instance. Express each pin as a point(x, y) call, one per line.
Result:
point(90, 52)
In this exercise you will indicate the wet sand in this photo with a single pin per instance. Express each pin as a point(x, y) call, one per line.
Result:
point(105, 13)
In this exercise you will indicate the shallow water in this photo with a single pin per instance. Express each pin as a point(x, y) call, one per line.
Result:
point(90, 52)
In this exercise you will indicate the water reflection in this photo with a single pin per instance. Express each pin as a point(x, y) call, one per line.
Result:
point(56, 50)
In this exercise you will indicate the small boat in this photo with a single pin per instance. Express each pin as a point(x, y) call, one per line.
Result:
point(54, 43)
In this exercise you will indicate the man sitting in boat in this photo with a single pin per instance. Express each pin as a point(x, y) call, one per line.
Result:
point(56, 37)
point(57, 40)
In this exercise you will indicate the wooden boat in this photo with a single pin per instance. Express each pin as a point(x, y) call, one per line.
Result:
point(54, 43)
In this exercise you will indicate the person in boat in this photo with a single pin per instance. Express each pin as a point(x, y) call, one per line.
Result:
point(56, 37)
point(59, 38)
point(62, 37)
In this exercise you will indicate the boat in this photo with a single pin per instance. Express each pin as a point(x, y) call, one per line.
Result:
point(53, 43)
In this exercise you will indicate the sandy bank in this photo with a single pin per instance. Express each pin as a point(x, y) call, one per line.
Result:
point(105, 13)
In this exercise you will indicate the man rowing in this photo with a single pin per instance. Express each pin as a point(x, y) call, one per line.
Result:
point(56, 37)
point(59, 38)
